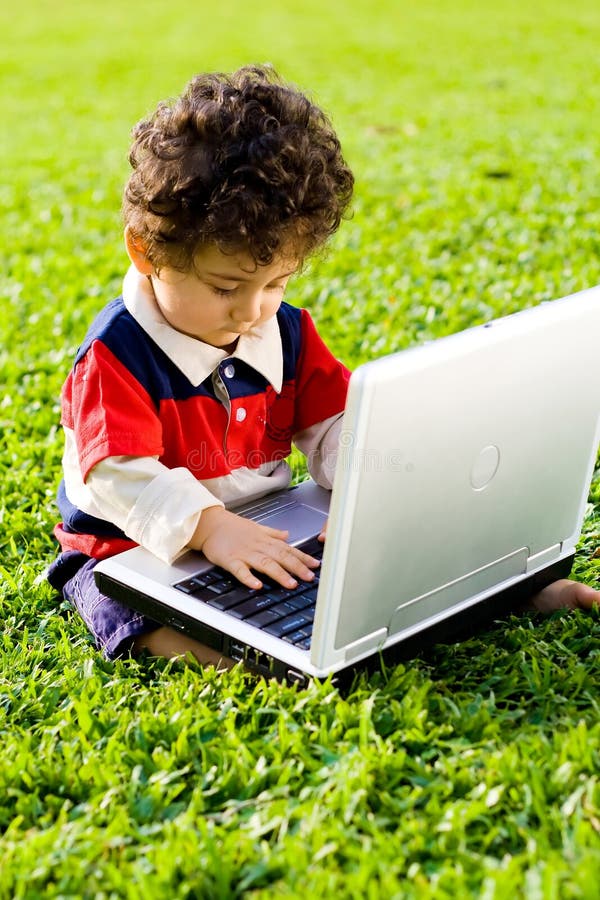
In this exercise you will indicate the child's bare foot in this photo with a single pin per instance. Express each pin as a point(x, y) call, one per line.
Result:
point(565, 594)
point(170, 643)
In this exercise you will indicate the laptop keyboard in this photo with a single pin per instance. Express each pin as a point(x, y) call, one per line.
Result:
point(284, 613)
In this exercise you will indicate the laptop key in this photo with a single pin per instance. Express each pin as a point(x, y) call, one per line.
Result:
point(292, 605)
point(290, 623)
point(222, 587)
point(200, 582)
point(294, 637)
point(252, 606)
point(188, 586)
point(205, 578)
point(308, 599)
point(214, 574)
point(227, 602)
point(276, 594)
point(264, 618)
point(281, 593)
point(200, 593)
point(300, 601)
point(300, 638)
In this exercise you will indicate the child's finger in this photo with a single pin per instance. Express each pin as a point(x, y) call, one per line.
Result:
point(283, 561)
point(305, 558)
point(276, 533)
point(275, 571)
point(242, 572)
point(283, 552)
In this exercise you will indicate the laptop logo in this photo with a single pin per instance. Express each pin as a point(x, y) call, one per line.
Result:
point(485, 467)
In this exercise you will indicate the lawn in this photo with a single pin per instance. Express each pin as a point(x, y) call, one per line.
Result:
point(473, 132)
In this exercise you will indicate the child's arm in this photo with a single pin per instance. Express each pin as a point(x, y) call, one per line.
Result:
point(320, 445)
point(321, 390)
point(168, 510)
point(153, 505)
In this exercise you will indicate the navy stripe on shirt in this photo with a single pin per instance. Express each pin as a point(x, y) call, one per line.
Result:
point(116, 328)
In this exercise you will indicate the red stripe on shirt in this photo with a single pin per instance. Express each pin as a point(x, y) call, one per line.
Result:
point(197, 434)
point(317, 368)
point(96, 547)
point(109, 411)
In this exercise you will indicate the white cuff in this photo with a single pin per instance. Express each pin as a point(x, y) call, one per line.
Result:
point(156, 507)
point(320, 445)
point(166, 513)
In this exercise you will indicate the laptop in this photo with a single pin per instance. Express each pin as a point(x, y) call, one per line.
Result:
point(460, 489)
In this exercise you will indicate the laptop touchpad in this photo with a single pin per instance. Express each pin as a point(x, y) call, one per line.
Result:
point(302, 522)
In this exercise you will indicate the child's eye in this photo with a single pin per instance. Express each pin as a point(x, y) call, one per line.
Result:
point(222, 292)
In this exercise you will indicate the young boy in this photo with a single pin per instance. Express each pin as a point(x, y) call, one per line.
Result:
point(188, 390)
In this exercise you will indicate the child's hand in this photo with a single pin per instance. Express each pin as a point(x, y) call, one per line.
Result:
point(239, 544)
point(323, 532)
point(565, 594)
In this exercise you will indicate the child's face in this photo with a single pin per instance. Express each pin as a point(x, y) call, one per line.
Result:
point(223, 297)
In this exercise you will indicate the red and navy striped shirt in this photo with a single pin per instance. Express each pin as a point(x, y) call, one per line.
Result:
point(126, 397)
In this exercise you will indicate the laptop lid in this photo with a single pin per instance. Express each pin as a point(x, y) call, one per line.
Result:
point(464, 468)
point(465, 464)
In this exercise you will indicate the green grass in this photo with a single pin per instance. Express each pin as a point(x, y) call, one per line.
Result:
point(472, 771)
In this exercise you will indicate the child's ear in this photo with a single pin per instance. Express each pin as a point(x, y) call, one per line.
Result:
point(136, 252)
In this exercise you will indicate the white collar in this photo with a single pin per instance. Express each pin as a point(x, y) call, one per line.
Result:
point(261, 348)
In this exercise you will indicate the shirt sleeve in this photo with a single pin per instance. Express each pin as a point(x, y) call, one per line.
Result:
point(157, 507)
point(321, 380)
point(320, 445)
point(109, 411)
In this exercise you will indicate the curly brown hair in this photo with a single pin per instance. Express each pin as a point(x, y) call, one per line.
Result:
point(242, 161)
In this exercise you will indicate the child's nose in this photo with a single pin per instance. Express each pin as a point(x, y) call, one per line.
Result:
point(248, 309)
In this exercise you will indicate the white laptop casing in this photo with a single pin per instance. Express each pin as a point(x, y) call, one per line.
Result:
point(464, 467)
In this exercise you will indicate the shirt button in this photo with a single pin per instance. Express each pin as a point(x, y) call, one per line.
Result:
point(240, 414)
point(229, 371)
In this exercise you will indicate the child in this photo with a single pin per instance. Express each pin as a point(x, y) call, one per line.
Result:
point(189, 389)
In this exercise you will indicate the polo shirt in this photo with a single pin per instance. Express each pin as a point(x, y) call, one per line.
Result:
point(159, 425)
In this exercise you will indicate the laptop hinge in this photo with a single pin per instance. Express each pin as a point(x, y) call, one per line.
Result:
point(366, 644)
point(544, 558)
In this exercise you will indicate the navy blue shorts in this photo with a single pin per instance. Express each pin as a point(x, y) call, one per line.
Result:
point(113, 625)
